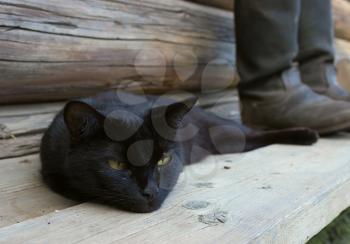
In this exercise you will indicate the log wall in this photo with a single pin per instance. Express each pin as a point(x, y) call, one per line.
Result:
point(54, 50)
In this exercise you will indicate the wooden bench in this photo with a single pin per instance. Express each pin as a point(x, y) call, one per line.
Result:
point(278, 194)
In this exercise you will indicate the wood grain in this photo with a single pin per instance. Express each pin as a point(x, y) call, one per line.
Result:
point(223, 4)
point(20, 146)
point(50, 50)
point(343, 69)
point(23, 125)
point(22, 194)
point(53, 52)
point(279, 194)
point(341, 18)
point(7, 111)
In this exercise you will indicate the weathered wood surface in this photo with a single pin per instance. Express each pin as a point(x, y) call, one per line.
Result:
point(51, 50)
point(22, 194)
point(342, 49)
point(28, 109)
point(223, 4)
point(21, 127)
point(343, 64)
point(279, 194)
point(343, 69)
point(20, 146)
point(341, 17)
point(12, 127)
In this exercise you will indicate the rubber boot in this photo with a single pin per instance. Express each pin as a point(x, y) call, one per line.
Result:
point(271, 92)
point(316, 49)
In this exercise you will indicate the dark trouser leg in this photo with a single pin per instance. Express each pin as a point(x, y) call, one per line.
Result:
point(271, 93)
point(266, 33)
point(316, 50)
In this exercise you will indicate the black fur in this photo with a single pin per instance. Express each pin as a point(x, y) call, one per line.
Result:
point(76, 148)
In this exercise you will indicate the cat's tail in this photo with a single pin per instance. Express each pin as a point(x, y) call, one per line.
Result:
point(293, 136)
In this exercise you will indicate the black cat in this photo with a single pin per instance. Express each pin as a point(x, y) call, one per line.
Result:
point(128, 150)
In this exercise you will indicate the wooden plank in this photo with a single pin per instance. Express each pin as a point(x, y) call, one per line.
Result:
point(29, 109)
point(22, 194)
point(279, 194)
point(22, 125)
point(20, 146)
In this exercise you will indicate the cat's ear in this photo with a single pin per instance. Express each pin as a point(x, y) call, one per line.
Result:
point(174, 113)
point(82, 120)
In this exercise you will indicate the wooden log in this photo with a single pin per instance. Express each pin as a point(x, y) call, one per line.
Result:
point(341, 17)
point(343, 68)
point(223, 4)
point(343, 49)
point(52, 50)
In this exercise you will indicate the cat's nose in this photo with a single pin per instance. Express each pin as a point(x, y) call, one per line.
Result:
point(150, 191)
point(149, 195)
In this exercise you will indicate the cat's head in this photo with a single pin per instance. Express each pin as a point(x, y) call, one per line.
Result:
point(129, 160)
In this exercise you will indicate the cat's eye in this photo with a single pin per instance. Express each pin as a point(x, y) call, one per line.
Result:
point(164, 160)
point(114, 164)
